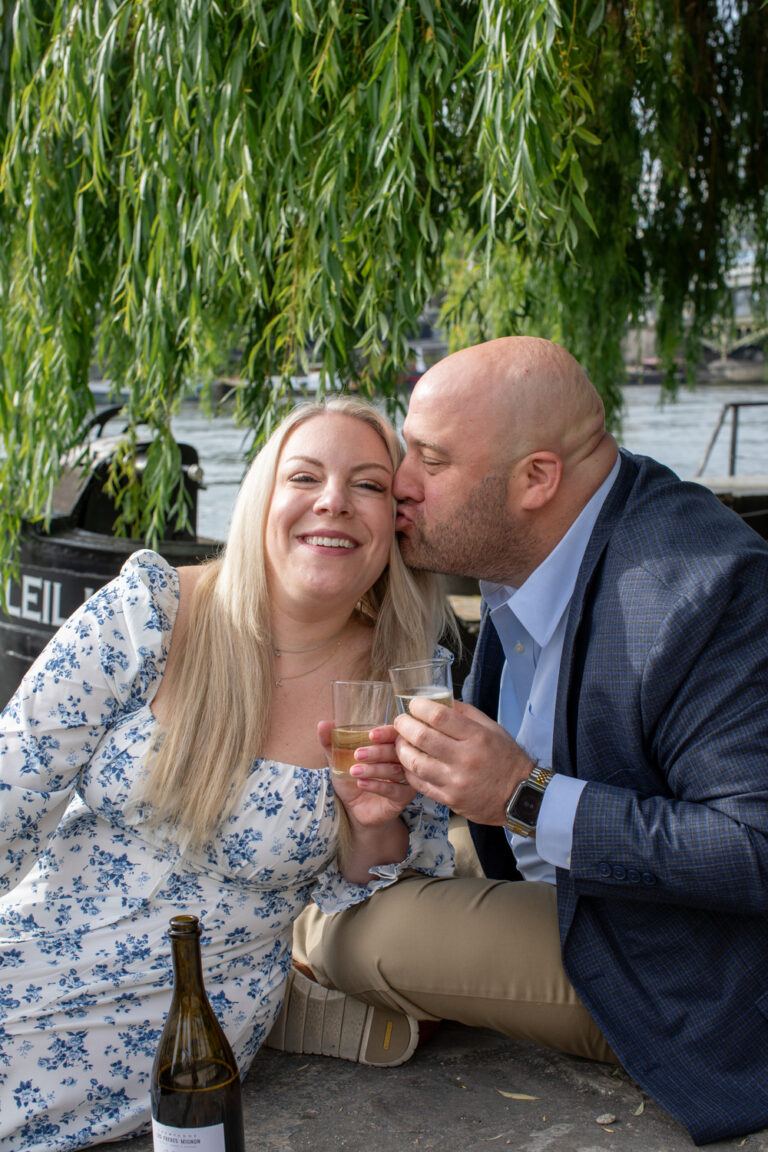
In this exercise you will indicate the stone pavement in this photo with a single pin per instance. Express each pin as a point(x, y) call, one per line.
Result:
point(466, 1090)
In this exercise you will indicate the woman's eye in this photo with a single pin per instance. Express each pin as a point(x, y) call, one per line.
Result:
point(301, 478)
point(371, 486)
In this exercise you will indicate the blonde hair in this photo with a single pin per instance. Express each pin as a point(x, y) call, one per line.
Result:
point(222, 699)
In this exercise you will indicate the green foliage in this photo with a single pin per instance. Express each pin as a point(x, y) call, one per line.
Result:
point(184, 178)
point(293, 180)
point(678, 182)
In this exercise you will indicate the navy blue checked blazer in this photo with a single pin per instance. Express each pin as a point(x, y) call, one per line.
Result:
point(662, 705)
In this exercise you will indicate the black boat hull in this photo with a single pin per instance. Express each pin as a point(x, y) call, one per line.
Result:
point(61, 567)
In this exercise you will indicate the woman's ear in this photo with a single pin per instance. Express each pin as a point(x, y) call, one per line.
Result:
point(538, 476)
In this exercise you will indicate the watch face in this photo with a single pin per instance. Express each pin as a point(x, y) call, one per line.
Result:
point(527, 805)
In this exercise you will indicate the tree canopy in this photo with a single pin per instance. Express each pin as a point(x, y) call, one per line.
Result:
point(186, 181)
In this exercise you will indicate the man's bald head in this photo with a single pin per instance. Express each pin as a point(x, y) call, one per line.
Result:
point(506, 443)
point(527, 392)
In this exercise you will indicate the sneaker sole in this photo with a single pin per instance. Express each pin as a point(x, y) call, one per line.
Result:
point(322, 1022)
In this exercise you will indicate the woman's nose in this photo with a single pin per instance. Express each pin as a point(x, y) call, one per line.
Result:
point(333, 499)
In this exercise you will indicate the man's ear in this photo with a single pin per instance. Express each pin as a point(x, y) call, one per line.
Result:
point(538, 479)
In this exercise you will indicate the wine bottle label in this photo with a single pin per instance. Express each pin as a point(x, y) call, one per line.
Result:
point(210, 1139)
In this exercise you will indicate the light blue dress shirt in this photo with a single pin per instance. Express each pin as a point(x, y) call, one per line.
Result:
point(531, 621)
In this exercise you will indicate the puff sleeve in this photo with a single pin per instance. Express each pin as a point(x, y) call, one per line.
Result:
point(106, 660)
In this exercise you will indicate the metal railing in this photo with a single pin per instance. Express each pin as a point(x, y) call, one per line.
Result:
point(734, 407)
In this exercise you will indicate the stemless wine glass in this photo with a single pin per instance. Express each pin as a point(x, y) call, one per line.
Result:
point(428, 678)
point(358, 706)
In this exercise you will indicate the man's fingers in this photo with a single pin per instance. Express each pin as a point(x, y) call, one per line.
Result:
point(436, 715)
point(423, 736)
point(458, 723)
point(418, 763)
point(421, 772)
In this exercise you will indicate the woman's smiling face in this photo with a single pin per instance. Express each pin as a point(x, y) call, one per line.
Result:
point(331, 517)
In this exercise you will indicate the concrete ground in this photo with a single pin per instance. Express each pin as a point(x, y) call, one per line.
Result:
point(466, 1090)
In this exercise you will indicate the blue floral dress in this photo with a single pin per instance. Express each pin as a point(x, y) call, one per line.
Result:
point(87, 888)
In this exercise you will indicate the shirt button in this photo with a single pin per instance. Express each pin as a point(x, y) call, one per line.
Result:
point(519, 647)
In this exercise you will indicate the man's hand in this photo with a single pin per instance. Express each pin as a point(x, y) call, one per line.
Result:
point(461, 758)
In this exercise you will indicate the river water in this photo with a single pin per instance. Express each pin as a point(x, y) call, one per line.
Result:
point(675, 432)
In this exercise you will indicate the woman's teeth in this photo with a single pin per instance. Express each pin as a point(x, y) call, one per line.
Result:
point(329, 541)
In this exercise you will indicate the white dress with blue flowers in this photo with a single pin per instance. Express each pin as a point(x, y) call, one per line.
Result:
point(87, 888)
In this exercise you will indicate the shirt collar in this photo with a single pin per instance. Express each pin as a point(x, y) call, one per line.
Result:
point(541, 600)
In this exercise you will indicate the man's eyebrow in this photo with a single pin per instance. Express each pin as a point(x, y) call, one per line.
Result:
point(364, 466)
point(429, 445)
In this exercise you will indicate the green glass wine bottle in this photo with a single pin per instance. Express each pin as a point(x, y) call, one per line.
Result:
point(195, 1089)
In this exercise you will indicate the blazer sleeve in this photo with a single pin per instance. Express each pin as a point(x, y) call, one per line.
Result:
point(676, 808)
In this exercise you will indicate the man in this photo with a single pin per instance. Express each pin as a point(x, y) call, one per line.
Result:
point(613, 752)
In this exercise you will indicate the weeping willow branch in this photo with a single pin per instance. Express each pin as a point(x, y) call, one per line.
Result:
point(293, 180)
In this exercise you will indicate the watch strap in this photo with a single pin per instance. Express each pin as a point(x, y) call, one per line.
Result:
point(538, 780)
point(540, 776)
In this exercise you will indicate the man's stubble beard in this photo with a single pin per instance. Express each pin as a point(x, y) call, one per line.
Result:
point(479, 541)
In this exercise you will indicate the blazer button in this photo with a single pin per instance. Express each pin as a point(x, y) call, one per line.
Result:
point(620, 872)
point(633, 875)
point(604, 868)
point(649, 878)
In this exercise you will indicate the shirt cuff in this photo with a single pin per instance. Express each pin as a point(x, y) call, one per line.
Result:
point(554, 827)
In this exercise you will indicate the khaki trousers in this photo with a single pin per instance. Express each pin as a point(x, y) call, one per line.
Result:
point(482, 952)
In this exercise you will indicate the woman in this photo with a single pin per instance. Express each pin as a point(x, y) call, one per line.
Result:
point(162, 755)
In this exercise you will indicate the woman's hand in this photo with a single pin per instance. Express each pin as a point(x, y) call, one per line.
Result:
point(376, 791)
point(373, 796)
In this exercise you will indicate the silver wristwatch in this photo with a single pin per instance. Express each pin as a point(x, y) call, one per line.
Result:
point(522, 809)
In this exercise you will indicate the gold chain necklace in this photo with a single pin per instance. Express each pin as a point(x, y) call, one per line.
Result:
point(298, 675)
point(312, 647)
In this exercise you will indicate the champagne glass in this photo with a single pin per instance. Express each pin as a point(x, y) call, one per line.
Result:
point(430, 679)
point(358, 706)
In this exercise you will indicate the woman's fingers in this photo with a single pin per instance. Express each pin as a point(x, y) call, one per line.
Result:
point(376, 767)
point(324, 729)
